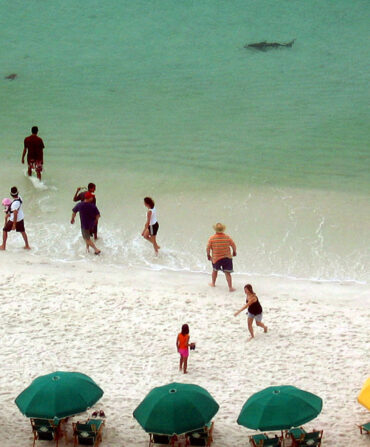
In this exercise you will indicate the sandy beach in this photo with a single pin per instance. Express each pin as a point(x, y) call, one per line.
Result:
point(168, 100)
point(119, 326)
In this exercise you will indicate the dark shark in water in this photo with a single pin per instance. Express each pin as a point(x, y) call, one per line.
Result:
point(263, 46)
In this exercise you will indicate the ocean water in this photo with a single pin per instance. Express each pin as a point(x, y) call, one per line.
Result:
point(161, 98)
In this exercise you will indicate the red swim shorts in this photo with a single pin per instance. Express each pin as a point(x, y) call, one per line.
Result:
point(35, 164)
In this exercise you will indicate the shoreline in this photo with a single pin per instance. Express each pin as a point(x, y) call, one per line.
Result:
point(24, 258)
point(119, 326)
point(290, 233)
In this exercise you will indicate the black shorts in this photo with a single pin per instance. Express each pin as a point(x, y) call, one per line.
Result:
point(153, 229)
point(19, 226)
point(224, 264)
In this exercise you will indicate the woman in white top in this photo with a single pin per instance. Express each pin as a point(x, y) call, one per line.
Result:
point(151, 225)
point(15, 219)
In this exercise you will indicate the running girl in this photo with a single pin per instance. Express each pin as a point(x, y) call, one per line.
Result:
point(151, 225)
point(254, 310)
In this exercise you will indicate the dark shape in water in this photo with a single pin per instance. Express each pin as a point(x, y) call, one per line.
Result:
point(263, 46)
point(12, 76)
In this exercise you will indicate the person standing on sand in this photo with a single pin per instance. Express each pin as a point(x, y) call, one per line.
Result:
point(89, 216)
point(80, 197)
point(15, 219)
point(182, 345)
point(35, 156)
point(219, 244)
point(254, 310)
point(151, 225)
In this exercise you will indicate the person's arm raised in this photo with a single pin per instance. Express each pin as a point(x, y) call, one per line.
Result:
point(75, 197)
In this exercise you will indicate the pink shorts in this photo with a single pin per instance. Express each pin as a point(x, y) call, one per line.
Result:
point(184, 352)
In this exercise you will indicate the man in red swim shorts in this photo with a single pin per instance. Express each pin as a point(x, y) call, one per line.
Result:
point(34, 147)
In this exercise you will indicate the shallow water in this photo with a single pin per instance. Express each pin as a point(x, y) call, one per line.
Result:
point(161, 98)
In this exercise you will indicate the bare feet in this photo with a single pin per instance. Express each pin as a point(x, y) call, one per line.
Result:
point(232, 289)
point(27, 247)
point(211, 284)
point(97, 252)
point(250, 338)
point(265, 329)
point(2, 247)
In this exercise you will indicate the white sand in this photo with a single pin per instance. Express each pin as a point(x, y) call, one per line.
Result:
point(119, 326)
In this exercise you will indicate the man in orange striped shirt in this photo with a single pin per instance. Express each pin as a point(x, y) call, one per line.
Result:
point(219, 244)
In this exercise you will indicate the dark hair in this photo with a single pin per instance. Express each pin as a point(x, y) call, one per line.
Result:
point(149, 201)
point(91, 186)
point(185, 329)
point(14, 191)
point(34, 129)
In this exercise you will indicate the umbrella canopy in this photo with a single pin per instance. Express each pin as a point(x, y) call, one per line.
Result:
point(176, 408)
point(279, 408)
point(58, 395)
point(364, 396)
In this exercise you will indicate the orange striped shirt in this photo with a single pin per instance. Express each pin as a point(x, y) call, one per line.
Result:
point(220, 244)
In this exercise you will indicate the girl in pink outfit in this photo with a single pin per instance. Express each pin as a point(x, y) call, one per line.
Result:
point(182, 344)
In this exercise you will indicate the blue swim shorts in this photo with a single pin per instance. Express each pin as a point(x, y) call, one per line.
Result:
point(225, 264)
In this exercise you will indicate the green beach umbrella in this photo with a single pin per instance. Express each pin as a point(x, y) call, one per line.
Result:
point(58, 395)
point(175, 408)
point(279, 408)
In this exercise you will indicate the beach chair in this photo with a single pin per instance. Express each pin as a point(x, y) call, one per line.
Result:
point(157, 439)
point(203, 437)
point(45, 430)
point(88, 433)
point(365, 428)
point(310, 439)
point(295, 433)
point(263, 440)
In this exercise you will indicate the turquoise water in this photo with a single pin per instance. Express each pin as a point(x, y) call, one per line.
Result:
point(162, 98)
